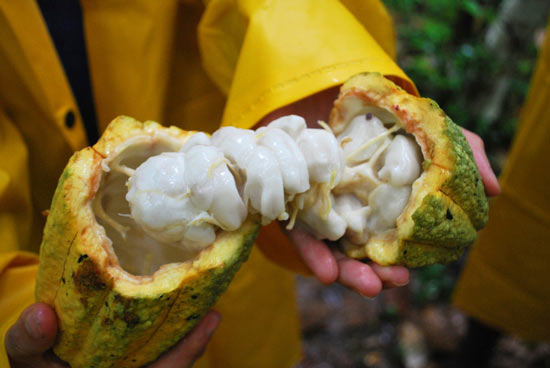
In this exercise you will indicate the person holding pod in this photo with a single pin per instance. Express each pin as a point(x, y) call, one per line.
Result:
point(68, 67)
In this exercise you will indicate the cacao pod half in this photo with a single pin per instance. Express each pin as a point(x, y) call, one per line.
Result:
point(113, 311)
point(447, 204)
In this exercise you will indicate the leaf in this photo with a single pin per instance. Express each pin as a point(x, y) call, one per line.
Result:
point(473, 8)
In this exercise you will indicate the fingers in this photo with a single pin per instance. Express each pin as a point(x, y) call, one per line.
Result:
point(369, 279)
point(316, 255)
point(330, 266)
point(32, 335)
point(192, 346)
point(391, 276)
point(358, 276)
point(490, 181)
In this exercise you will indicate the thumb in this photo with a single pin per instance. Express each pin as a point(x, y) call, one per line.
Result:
point(191, 347)
point(32, 334)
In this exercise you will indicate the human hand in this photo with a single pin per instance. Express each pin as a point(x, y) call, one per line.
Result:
point(330, 265)
point(28, 342)
point(326, 264)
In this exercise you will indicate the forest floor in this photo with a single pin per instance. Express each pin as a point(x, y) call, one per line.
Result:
point(393, 330)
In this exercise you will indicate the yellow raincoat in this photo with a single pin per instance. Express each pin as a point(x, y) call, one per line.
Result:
point(185, 63)
point(505, 282)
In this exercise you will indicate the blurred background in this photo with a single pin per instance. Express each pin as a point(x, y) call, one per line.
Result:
point(475, 58)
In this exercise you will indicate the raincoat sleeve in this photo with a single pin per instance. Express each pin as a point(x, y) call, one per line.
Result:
point(17, 268)
point(267, 54)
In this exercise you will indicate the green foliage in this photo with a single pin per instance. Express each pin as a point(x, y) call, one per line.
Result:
point(441, 46)
point(432, 283)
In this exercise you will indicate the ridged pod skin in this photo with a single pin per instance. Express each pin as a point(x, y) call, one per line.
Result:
point(447, 204)
point(107, 316)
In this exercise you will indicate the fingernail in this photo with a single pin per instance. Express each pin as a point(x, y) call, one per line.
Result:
point(32, 325)
point(401, 284)
point(212, 323)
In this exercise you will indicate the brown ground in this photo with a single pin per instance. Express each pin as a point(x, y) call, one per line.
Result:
point(343, 329)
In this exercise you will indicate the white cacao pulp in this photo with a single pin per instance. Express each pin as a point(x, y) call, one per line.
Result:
point(347, 186)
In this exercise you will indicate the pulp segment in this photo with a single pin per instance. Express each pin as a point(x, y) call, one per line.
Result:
point(343, 187)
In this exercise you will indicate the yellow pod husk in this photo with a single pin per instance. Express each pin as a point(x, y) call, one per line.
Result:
point(114, 310)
